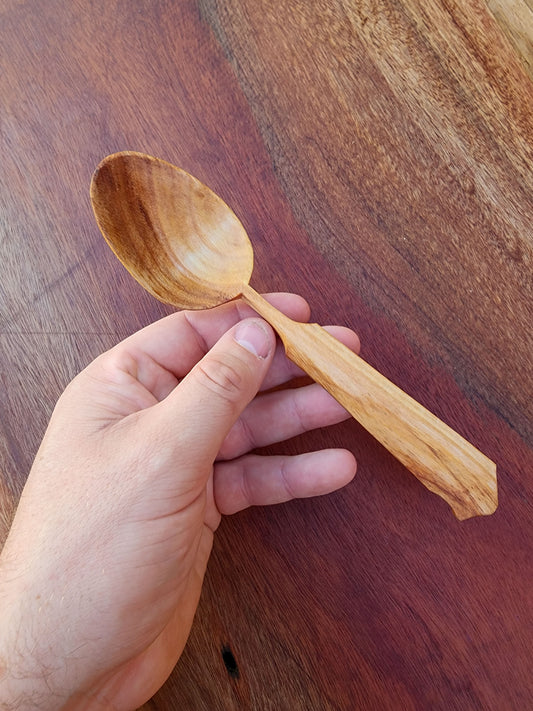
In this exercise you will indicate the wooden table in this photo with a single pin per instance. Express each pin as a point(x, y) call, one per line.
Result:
point(380, 155)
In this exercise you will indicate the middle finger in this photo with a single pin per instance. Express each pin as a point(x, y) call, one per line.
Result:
point(280, 415)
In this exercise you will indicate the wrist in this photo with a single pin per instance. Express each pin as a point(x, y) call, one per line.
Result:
point(27, 683)
point(35, 672)
point(24, 681)
point(31, 673)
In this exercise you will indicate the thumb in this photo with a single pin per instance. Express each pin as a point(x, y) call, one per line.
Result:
point(210, 399)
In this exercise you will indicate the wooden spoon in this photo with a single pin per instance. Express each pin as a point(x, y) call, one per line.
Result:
point(187, 248)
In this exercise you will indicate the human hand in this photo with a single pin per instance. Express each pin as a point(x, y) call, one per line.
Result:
point(102, 571)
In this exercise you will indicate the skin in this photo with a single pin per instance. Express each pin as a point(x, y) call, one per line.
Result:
point(147, 448)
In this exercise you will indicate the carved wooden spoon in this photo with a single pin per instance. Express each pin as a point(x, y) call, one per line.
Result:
point(187, 248)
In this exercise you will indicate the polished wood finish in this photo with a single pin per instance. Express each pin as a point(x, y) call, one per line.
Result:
point(443, 460)
point(188, 248)
point(380, 157)
point(180, 241)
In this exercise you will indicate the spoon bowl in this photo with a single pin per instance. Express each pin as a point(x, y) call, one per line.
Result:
point(176, 231)
point(187, 248)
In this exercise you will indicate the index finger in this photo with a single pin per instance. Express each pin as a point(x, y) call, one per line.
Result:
point(177, 342)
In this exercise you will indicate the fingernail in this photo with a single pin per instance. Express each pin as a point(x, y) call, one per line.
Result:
point(254, 337)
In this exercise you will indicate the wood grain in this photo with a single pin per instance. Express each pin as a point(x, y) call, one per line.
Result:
point(385, 149)
point(443, 461)
point(181, 242)
point(516, 20)
point(186, 247)
point(418, 152)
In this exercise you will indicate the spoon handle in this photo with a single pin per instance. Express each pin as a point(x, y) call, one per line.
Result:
point(444, 461)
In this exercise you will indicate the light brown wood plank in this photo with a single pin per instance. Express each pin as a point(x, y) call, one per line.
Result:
point(515, 17)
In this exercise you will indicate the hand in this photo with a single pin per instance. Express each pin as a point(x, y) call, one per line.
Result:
point(102, 571)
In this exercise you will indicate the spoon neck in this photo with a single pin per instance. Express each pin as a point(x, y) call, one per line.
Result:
point(270, 313)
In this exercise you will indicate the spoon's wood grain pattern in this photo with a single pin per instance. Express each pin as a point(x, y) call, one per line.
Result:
point(188, 248)
point(443, 460)
point(195, 240)
point(385, 147)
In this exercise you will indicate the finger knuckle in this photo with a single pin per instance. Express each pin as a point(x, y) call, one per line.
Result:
point(222, 378)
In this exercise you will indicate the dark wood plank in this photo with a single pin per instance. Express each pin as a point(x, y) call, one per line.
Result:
point(380, 156)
